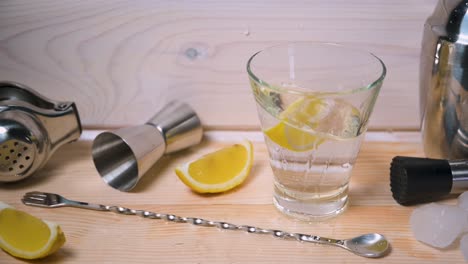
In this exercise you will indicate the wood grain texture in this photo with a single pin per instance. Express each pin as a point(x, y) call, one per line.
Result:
point(120, 61)
point(98, 237)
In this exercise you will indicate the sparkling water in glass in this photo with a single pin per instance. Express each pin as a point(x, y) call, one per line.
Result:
point(314, 101)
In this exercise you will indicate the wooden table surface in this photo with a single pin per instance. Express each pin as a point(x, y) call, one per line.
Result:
point(100, 237)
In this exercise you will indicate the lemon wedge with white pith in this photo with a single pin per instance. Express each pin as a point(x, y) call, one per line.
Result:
point(218, 171)
point(304, 112)
point(292, 138)
point(307, 123)
point(25, 236)
point(307, 111)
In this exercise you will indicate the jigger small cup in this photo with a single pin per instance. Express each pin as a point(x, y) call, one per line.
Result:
point(122, 157)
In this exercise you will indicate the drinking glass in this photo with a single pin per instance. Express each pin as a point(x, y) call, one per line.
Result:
point(314, 101)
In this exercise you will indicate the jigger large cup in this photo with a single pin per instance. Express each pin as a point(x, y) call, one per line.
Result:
point(123, 156)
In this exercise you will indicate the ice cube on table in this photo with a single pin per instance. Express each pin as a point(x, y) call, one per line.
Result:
point(463, 201)
point(438, 225)
point(464, 246)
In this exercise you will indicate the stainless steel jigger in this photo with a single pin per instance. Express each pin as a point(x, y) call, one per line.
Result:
point(123, 156)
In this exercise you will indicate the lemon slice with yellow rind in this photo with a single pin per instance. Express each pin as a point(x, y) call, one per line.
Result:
point(307, 122)
point(304, 112)
point(293, 138)
point(218, 171)
point(25, 236)
point(307, 111)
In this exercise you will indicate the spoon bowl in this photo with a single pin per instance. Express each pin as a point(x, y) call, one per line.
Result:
point(369, 245)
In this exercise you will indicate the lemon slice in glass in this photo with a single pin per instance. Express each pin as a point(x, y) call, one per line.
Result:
point(218, 171)
point(294, 131)
point(293, 138)
point(307, 111)
point(25, 236)
point(307, 122)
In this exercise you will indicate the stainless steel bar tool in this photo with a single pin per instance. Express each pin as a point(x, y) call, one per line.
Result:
point(123, 156)
point(371, 245)
point(444, 81)
point(32, 128)
point(416, 180)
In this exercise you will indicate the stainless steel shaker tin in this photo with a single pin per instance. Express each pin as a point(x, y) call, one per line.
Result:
point(444, 81)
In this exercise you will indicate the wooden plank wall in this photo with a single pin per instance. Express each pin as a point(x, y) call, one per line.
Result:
point(120, 61)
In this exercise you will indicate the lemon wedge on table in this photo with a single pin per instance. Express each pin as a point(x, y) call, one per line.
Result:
point(218, 171)
point(25, 236)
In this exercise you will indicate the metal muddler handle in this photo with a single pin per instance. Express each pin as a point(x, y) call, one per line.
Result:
point(123, 156)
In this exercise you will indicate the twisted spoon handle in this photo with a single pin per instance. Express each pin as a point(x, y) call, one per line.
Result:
point(208, 223)
point(369, 245)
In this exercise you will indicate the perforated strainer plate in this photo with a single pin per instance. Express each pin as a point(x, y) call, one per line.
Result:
point(16, 157)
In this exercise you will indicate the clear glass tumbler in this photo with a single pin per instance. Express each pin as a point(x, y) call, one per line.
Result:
point(314, 101)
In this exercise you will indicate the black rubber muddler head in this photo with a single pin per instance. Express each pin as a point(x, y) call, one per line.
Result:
point(418, 180)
